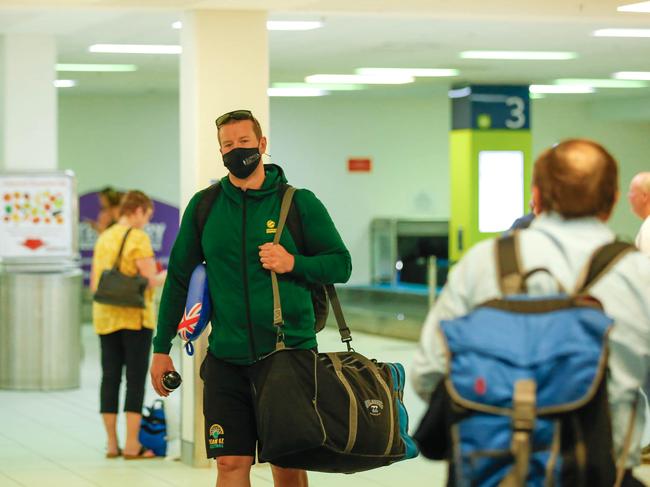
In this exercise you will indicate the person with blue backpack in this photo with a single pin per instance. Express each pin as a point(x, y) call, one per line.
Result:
point(231, 226)
point(533, 356)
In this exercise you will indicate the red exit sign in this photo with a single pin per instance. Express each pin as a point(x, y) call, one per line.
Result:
point(359, 165)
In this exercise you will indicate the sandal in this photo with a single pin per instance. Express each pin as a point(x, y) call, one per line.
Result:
point(117, 454)
point(141, 455)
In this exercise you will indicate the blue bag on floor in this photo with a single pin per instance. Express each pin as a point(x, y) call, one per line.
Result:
point(153, 428)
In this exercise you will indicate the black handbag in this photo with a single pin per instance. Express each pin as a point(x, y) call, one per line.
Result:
point(329, 412)
point(118, 289)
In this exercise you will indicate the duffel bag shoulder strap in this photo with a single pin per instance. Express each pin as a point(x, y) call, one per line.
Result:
point(285, 208)
point(277, 305)
point(508, 264)
point(601, 261)
point(344, 330)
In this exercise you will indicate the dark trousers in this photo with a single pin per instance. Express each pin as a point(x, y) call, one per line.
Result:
point(122, 348)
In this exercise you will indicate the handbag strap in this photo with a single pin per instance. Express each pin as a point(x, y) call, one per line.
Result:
point(119, 254)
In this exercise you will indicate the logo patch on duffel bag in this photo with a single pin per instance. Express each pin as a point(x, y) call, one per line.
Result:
point(374, 406)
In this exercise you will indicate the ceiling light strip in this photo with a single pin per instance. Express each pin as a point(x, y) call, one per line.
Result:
point(359, 79)
point(135, 49)
point(633, 75)
point(640, 7)
point(520, 55)
point(415, 72)
point(96, 68)
point(621, 33)
point(561, 89)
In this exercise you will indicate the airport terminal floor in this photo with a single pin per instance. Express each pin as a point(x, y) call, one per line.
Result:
point(56, 439)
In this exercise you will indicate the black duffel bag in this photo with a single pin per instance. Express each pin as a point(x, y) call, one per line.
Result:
point(118, 289)
point(328, 412)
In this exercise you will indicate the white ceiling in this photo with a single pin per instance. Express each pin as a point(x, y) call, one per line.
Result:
point(357, 33)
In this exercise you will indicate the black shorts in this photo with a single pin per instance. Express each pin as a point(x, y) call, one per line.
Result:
point(228, 408)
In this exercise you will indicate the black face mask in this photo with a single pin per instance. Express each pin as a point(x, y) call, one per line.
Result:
point(242, 161)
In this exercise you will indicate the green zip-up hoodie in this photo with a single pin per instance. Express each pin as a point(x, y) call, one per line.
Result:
point(240, 288)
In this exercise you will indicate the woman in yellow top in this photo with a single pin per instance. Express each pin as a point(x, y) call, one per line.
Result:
point(125, 333)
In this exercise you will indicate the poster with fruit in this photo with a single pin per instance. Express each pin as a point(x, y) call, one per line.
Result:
point(37, 215)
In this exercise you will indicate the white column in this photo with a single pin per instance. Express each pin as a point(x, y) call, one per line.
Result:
point(28, 102)
point(224, 67)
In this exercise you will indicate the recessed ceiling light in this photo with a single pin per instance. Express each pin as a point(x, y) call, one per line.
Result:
point(621, 33)
point(293, 24)
point(114, 68)
point(602, 83)
point(297, 92)
point(459, 92)
point(636, 75)
point(135, 48)
point(635, 7)
point(321, 86)
point(359, 79)
point(560, 89)
point(64, 83)
point(416, 72)
point(520, 55)
point(177, 25)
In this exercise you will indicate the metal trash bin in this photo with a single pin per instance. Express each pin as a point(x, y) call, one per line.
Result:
point(40, 328)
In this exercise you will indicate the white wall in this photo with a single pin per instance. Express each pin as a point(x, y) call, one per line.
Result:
point(629, 143)
point(129, 142)
point(407, 140)
point(132, 142)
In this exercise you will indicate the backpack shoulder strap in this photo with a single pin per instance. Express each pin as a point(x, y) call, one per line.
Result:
point(203, 207)
point(601, 261)
point(508, 264)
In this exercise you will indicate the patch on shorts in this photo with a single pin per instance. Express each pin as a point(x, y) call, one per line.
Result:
point(216, 437)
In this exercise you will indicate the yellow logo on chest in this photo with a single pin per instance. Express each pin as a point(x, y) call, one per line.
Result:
point(270, 227)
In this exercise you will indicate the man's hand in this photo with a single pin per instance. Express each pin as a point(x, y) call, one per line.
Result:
point(275, 258)
point(160, 364)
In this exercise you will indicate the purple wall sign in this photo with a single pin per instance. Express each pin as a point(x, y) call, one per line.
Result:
point(162, 230)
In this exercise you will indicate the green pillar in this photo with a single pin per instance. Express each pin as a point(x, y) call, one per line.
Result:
point(491, 162)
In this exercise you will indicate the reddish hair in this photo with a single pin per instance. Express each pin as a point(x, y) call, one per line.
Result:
point(133, 200)
point(577, 178)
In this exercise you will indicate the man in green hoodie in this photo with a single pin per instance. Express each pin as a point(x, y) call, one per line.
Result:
point(237, 247)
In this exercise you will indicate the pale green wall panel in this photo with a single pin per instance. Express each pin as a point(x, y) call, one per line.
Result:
point(133, 142)
point(129, 142)
point(406, 138)
point(629, 143)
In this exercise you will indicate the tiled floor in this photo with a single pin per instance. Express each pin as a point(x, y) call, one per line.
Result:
point(56, 439)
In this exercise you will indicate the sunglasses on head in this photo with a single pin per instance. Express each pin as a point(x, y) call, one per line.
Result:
point(234, 115)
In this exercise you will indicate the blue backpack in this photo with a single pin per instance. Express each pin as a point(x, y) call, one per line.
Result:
point(153, 429)
point(525, 399)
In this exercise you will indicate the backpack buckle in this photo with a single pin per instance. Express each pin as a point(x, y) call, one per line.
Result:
point(523, 421)
point(524, 402)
